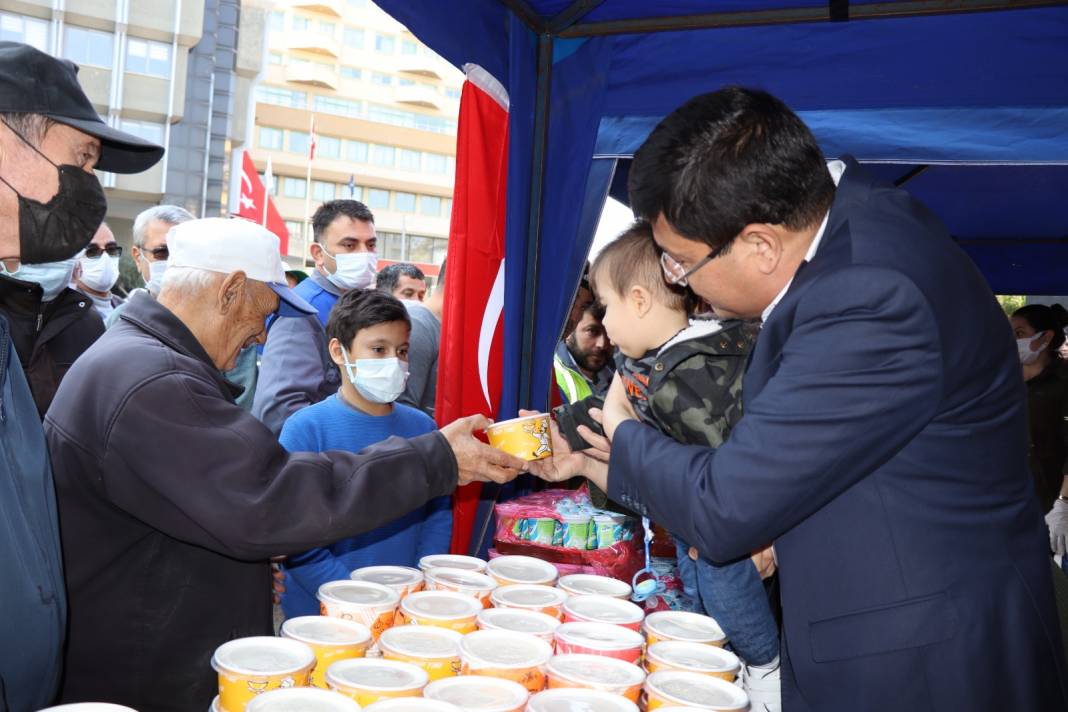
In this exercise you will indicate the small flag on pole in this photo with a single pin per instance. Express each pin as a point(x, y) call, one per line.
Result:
point(352, 185)
point(311, 148)
point(268, 186)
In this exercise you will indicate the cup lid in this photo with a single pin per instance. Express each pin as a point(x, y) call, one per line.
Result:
point(478, 694)
point(596, 670)
point(89, 707)
point(698, 657)
point(528, 595)
point(518, 620)
point(376, 674)
point(452, 561)
point(599, 636)
point(262, 655)
point(388, 575)
point(520, 419)
point(693, 689)
point(360, 593)
point(604, 608)
point(301, 699)
point(573, 699)
point(320, 630)
point(421, 641)
point(442, 605)
point(411, 704)
point(592, 585)
point(683, 625)
point(505, 649)
point(463, 578)
point(522, 569)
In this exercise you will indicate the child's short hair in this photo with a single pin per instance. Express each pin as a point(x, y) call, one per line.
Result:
point(362, 308)
point(634, 259)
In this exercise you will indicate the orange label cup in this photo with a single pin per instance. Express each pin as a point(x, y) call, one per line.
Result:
point(571, 699)
point(402, 579)
point(331, 639)
point(368, 680)
point(692, 657)
point(444, 609)
point(412, 704)
point(519, 657)
point(596, 672)
point(527, 438)
point(591, 585)
point(475, 693)
point(522, 569)
point(603, 609)
point(470, 583)
point(683, 626)
point(543, 599)
point(370, 604)
point(519, 621)
point(691, 689)
point(250, 666)
point(436, 650)
point(451, 561)
point(302, 698)
point(605, 639)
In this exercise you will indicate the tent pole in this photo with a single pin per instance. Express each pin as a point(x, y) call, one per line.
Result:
point(909, 176)
point(569, 16)
point(537, 181)
point(523, 11)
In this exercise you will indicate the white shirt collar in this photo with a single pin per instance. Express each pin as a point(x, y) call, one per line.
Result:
point(836, 169)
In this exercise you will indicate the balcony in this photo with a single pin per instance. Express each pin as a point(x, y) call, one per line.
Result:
point(330, 7)
point(419, 96)
point(419, 64)
point(313, 74)
point(316, 42)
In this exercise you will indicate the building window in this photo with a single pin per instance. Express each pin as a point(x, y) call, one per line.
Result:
point(270, 138)
point(430, 205)
point(28, 30)
point(294, 187)
point(147, 130)
point(352, 38)
point(452, 92)
point(448, 207)
point(378, 198)
point(401, 81)
point(435, 163)
point(351, 72)
point(327, 28)
point(383, 156)
point(296, 228)
point(408, 160)
point(273, 187)
point(404, 202)
point(381, 79)
point(441, 247)
point(410, 119)
point(420, 248)
point(277, 22)
point(356, 151)
point(301, 24)
point(341, 107)
point(298, 142)
point(391, 245)
point(353, 193)
point(281, 97)
point(275, 58)
point(148, 57)
point(328, 147)
point(409, 47)
point(384, 44)
point(322, 191)
point(91, 47)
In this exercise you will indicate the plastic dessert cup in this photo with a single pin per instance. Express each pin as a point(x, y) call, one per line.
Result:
point(599, 639)
point(527, 438)
point(591, 585)
point(691, 689)
point(603, 609)
point(451, 561)
point(684, 626)
point(574, 700)
point(475, 693)
point(522, 569)
point(543, 599)
point(519, 657)
point(371, 604)
point(596, 672)
point(445, 609)
point(368, 680)
point(692, 657)
point(519, 621)
point(250, 666)
point(402, 579)
point(331, 639)
point(470, 583)
point(436, 650)
point(305, 699)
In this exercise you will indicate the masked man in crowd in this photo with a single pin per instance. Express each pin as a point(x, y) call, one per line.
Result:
point(98, 271)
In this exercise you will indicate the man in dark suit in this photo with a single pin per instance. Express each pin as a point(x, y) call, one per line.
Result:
point(883, 441)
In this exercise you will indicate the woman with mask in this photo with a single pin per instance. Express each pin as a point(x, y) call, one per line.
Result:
point(1039, 331)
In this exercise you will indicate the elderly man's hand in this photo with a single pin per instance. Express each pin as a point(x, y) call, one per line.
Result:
point(564, 464)
point(477, 461)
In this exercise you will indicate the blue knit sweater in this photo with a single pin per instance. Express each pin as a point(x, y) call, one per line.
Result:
point(333, 424)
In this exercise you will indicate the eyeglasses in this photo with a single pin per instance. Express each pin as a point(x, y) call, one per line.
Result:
point(677, 274)
point(158, 254)
point(94, 251)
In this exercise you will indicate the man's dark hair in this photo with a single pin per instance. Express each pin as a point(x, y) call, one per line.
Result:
point(389, 277)
point(331, 210)
point(727, 159)
point(362, 308)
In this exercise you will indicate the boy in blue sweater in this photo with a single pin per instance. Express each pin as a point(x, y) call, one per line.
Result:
point(368, 332)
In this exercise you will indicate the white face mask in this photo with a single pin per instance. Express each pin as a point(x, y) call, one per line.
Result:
point(99, 273)
point(355, 270)
point(155, 275)
point(53, 277)
point(379, 380)
point(1023, 347)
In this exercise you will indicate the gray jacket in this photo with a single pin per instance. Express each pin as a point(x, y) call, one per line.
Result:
point(423, 345)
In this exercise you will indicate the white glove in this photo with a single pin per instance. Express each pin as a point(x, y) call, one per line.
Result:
point(1057, 521)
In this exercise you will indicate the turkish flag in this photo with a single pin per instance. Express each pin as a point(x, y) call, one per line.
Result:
point(252, 207)
point(470, 356)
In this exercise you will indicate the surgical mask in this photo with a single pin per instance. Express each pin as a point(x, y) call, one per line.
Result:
point(355, 270)
point(1023, 347)
point(53, 277)
point(155, 275)
point(379, 380)
point(99, 273)
point(55, 231)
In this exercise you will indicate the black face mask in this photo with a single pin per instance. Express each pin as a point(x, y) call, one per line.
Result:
point(59, 229)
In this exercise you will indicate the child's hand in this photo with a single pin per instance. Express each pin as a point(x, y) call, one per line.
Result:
point(565, 464)
point(764, 561)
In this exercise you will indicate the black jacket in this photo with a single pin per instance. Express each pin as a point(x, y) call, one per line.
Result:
point(48, 336)
point(171, 499)
point(1047, 406)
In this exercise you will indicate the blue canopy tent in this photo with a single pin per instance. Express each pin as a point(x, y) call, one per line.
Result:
point(964, 103)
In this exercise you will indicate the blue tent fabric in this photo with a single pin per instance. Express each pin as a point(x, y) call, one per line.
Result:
point(974, 105)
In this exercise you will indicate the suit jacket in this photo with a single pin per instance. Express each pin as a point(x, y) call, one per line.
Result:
point(883, 448)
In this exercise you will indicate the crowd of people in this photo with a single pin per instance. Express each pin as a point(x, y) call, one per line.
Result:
point(785, 362)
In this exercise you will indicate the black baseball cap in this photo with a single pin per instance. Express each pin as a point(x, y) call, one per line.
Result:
point(32, 82)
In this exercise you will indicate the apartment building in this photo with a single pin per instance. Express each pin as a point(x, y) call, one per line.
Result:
point(385, 109)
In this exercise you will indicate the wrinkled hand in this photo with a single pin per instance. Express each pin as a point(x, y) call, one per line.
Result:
point(616, 408)
point(565, 464)
point(765, 561)
point(477, 461)
point(1057, 521)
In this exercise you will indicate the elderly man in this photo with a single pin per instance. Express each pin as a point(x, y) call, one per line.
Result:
point(98, 271)
point(172, 498)
point(403, 280)
point(296, 369)
point(51, 204)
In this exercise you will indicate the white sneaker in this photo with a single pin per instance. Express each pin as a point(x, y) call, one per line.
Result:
point(763, 685)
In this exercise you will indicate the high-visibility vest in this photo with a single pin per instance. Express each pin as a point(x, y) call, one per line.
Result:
point(571, 382)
